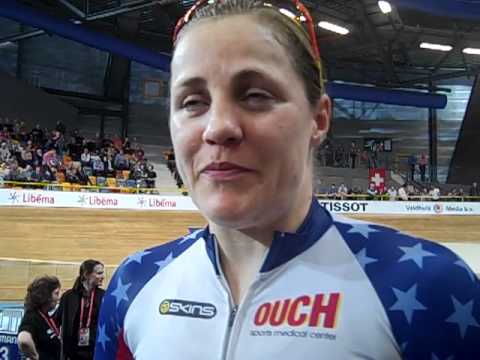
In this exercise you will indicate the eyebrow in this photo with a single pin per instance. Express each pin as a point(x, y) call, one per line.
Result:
point(191, 82)
point(251, 74)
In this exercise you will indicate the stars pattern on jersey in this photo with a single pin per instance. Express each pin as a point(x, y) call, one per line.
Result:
point(463, 316)
point(102, 337)
point(137, 257)
point(128, 280)
point(363, 259)
point(414, 253)
point(120, 292)
point(422, 286)
point(407, 302)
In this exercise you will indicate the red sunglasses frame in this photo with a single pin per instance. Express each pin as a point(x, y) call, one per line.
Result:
point(298, 5)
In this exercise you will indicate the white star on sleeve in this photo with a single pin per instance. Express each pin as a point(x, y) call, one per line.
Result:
point(407, 302)
point(415, 253)
point(120, 292)
point(363, 229)
point(463, 316)
point(102, 337)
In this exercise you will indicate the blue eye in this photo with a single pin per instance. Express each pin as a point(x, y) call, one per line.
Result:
point(194, 105)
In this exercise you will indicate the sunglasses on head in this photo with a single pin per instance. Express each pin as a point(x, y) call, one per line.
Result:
point(304, 15)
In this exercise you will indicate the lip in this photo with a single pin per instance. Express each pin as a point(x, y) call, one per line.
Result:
point(224, 171)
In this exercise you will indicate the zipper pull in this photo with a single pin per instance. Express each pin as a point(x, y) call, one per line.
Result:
point(233, 313)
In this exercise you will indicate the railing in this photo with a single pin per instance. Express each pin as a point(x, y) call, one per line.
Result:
point(16, 274)
point(385, 197)
point(65, 186)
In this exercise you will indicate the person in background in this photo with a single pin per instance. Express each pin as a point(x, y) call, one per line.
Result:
point(38, 333)
point(412, 163)
point(274, 275)
point(78, 312)
point(474, 192)
point(435, 193)
point(422, 166)
point(372, 191)
point(332, 192)
point(342, 191)
point(402, 193)
point(392, 193)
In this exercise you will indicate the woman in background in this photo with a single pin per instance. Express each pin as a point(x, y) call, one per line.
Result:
point(78, 312)
point(39, 335)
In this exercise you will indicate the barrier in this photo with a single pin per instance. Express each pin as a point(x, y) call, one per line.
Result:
point(40, 198)
point(16, 274)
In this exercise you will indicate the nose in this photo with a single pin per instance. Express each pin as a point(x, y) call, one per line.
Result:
point(224, 125)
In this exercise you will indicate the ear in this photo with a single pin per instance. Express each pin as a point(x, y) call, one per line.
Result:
point(321, 124)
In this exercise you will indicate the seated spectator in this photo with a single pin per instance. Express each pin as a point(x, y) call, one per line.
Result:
point(372, 191)
point(50, 158)
point(109, 169)
point(97, 165)
point(474, 192)
point(121, 161)
point(37, 135)
point(435, 193)
point(343, 191)
point(392, 193)
point(402, 193)
point(85, 158)
point(425, 195)
point(151, 176)
point(5, 154)
point(332, 192)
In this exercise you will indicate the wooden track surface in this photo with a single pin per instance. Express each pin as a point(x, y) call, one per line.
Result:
point(111, 235)
point(75, 234)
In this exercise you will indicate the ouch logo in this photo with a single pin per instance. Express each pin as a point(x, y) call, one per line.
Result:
point(320, 310)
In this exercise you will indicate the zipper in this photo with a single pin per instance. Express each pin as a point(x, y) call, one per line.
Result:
point(233, 309)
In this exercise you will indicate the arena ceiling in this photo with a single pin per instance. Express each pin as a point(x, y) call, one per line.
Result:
point(381, 49)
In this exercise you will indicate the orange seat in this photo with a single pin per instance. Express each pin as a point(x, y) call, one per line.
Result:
point(66, 186)
point(93, 180)
point(111, 182)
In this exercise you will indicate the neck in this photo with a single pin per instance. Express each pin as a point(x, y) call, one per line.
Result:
point(240, 257)
point(87, 286)
point(242, 252)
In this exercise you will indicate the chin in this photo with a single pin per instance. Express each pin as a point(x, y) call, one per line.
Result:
point(229, 213)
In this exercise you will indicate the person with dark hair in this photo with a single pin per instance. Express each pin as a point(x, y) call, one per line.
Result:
point(274, 275)
point(39, 335)
point(78, 312)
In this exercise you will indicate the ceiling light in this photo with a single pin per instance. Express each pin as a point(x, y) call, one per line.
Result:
point(471, 51)
point(425, 45)
point(385, 6)
point(332, 27)
point(6, 44)
point(287, 13)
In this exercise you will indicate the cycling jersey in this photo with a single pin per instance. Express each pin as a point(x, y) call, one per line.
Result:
point(336, 289)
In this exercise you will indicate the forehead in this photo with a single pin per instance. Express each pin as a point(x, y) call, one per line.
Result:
point(227, 43)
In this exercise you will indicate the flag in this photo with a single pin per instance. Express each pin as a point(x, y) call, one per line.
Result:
point(378, 177)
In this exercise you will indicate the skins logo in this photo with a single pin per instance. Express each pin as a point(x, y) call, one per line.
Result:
point(187, 308)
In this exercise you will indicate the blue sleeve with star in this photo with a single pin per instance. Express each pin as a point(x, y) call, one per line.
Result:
point(431, 297)
point(130, 277)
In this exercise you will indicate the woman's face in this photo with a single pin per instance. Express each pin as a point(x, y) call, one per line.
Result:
point(241, 125)
point(97, 276)
point(55, 299)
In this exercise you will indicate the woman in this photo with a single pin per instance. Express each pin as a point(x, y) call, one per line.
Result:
point(274, 275)
point(39, 335)
point(78, 311)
